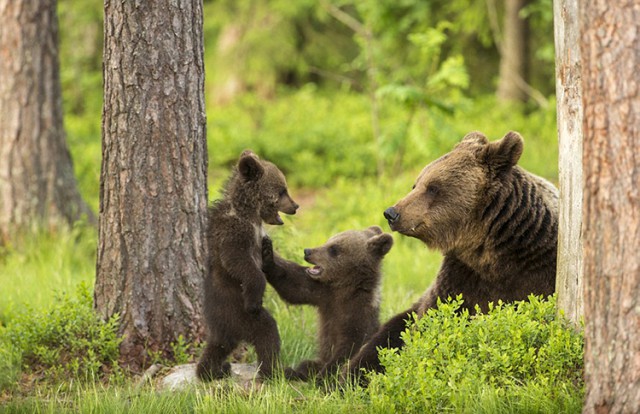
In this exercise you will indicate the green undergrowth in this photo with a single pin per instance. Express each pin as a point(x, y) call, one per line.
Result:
point(517, 358)
point(67, 341)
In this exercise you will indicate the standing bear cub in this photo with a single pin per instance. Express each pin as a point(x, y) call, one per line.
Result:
point(234, 285)
point(344, 284)
point(495, 223)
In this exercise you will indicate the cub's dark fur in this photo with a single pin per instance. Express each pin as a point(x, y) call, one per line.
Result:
point(495, 223)
point(235, 283)
point(344, 285)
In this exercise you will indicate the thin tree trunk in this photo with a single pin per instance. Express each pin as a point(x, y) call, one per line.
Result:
point(513, 53)
point(610, 48)
point(153, 195)
point(37, 184)
point(569, 101)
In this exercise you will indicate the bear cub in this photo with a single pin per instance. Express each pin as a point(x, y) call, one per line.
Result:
point(344, 286)
point(234, 284)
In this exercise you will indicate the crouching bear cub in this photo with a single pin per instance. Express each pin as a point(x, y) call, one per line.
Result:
point(495, 223)
point(344, 284)
point(235, 283)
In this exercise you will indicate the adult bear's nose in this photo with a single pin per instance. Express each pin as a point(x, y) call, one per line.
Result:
point(307, 252)
point(391, 215)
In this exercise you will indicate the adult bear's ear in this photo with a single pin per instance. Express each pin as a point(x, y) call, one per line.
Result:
point(475, 137)
point(504, 153)
point(249, 166)
point(380, 245)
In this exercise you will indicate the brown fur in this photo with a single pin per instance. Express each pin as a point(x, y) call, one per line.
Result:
point(495, 223)
point(344, 285)
point(235, 284)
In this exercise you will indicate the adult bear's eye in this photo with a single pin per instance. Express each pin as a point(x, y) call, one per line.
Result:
point(333, 250)
point(432, 190)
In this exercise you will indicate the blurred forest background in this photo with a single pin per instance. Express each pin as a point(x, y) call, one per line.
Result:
point(350, 98)
point(359, 89)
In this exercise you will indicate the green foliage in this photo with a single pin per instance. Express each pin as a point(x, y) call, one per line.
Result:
point(297, 132)
point(68, 340)
point(516, 358)
point(182, 352)
point(319, 138)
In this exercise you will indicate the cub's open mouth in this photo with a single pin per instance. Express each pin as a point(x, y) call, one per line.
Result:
point(314, 271)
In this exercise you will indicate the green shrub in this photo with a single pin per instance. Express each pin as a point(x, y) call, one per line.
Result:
point(516, 358)
point(68, 340)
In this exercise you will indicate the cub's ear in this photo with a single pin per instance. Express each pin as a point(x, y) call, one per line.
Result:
point(380, 245)
point(249, 166)
point(504, 153)
point(376, 229)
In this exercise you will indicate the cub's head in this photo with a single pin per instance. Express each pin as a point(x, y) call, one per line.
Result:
point(440, 208)
point(268, 187)
point(349, 253)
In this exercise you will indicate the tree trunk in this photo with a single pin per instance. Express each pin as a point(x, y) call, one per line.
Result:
point(610, 45)
point(37, 185)
point(569, 102)
point(513, 53)
point(153, 184)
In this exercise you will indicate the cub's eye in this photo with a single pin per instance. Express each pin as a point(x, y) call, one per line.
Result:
point(283, 192)
point(413, 187)
point(333, 250)
point(432, 190)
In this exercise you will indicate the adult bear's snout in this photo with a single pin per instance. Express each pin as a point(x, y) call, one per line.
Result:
point(391, 215)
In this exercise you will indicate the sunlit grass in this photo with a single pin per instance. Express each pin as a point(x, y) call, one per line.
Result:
point(39, 264)
point(275, 396)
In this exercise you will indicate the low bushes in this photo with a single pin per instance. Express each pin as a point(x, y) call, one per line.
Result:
point(518, 357)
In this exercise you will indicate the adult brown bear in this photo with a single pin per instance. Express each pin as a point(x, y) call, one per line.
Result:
point(495, 223)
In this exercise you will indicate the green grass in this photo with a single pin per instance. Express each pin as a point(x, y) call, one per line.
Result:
point(275, 397)
point(38, 265)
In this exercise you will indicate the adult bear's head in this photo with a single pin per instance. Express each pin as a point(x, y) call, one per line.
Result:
point(444, 205)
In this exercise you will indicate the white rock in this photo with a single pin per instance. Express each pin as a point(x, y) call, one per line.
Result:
point(182, 376)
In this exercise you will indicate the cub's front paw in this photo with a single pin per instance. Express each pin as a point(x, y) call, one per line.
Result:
point(267, 254)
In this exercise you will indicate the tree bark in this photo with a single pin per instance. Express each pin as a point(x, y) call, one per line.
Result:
point(153, 185)
point(569, 102)
point(37, 184)
point(610, 49)
point(513, 53)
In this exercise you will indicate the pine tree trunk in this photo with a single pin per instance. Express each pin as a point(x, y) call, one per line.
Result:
point(153, 195)
point(569, 101)
point(513, 53)
point(610, 45)
point(37, 184)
